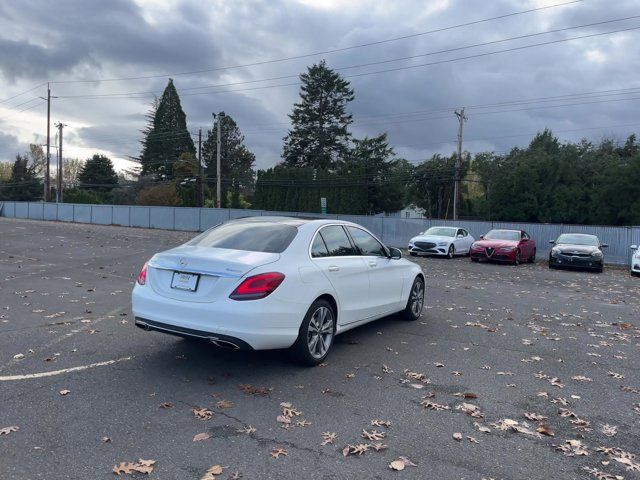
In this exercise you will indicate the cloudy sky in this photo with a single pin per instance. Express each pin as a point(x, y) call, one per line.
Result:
point(107, 59)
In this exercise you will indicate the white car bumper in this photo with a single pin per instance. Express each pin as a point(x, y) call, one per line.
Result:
point(635, 265)
point(255, 324)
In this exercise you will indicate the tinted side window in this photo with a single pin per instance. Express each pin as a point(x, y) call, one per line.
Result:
point(461, 232)
point(318, 248)
point(337, 242)
point(366, 243)
point(525, 235)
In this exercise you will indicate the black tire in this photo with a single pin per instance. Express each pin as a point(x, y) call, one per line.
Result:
point(532, 258)
point(475, 260)
point(413, 254)
point(451, 252)
point(517, 259)
point(600, 269)
point(415, 303)
point(301, 349)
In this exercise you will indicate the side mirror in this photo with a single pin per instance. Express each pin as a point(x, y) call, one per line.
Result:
point(552, 242)
point(460, 236)
point(395, 253)
point(481, 237)
point(524, 239)
point(604, 245)
point(635, 247)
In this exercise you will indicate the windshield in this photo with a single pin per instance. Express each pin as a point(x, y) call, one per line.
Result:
point(578, 239)
point(267, 237)
point(513, 235)
point(442, 231)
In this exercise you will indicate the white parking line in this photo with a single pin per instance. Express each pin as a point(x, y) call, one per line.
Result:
point(61, 372)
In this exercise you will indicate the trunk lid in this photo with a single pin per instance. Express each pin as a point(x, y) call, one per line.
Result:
point(218, 270)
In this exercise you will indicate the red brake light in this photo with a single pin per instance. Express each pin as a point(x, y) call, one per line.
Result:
point(258, 286)
point(142, 277)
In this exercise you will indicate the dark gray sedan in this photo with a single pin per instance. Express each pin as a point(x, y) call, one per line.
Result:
point(577, 250)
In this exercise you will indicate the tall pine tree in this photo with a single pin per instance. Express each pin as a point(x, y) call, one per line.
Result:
point(319, 135)
point(23, 185)
point(166, 136)
point(236, 163)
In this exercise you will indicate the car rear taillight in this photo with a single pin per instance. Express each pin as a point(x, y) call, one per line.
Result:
point(258, 286)
point(142, 277)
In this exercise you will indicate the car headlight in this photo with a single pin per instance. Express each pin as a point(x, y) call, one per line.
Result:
point(556, 251)
point(597, 254)
point(474, 245)
point(442, 244)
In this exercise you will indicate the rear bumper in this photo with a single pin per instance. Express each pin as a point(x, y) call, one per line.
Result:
point(223, 341)
point(635, 265)
point(269, 323)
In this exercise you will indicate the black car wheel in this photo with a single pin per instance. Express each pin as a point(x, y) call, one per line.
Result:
point(315, 337)
point(415, 303)
point(532, 258)
point(451, 252)
point(517, 259)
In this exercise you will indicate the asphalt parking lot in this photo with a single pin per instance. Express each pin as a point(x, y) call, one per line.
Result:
point(537, 370)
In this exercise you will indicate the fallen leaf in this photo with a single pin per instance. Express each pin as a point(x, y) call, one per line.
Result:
point(277, 452)
point(211, 472)
point(457, 436)
point(328, 437)
point(8, 430)
point(201, 436)
point(65, 392)
point(202, 413)
point(248, 430)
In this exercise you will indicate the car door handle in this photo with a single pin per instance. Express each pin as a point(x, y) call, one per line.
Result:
point(334, 268)
point(373, 263)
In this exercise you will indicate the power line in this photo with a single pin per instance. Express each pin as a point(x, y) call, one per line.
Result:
point(325, 52)
point(22, 93)
point(129, 95)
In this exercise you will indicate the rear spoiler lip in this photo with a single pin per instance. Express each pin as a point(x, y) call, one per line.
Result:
point(180, 268)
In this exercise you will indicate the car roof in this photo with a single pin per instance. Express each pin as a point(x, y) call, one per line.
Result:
point(292, 221)
point(505, 230)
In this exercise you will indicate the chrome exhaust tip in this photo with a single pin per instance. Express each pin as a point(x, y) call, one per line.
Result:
point(224, 344)
point(144, 326)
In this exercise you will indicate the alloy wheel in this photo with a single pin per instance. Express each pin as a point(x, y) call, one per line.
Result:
point(451, 251)
point(416, 300)
point(320, 332)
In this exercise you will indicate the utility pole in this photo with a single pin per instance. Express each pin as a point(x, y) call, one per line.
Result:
point(47, 175)
point(456, 188)
point(200, 170)
point(60, 125)
point(218, 157)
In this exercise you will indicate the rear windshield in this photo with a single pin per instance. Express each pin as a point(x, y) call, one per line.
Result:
point(250, 236)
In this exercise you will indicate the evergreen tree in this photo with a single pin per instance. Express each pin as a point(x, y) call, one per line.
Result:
point(98, 174)
point(166, 136)
point(23, 186)
point(236, 162)
point(381, 175)
point(319, 133)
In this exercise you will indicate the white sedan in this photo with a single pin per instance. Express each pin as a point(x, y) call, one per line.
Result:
point(276, 282)
point(447, 241)
point(635, 260)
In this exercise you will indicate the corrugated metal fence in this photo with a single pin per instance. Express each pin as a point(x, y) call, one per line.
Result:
point(393, 231)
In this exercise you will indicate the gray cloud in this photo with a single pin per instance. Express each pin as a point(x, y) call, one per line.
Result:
point(82, 39)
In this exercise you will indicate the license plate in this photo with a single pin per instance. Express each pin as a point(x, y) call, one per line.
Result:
point(185, 281)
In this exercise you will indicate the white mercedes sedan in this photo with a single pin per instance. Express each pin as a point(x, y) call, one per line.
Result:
point(443, 241)
point(635, 260)
point(276, 282)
